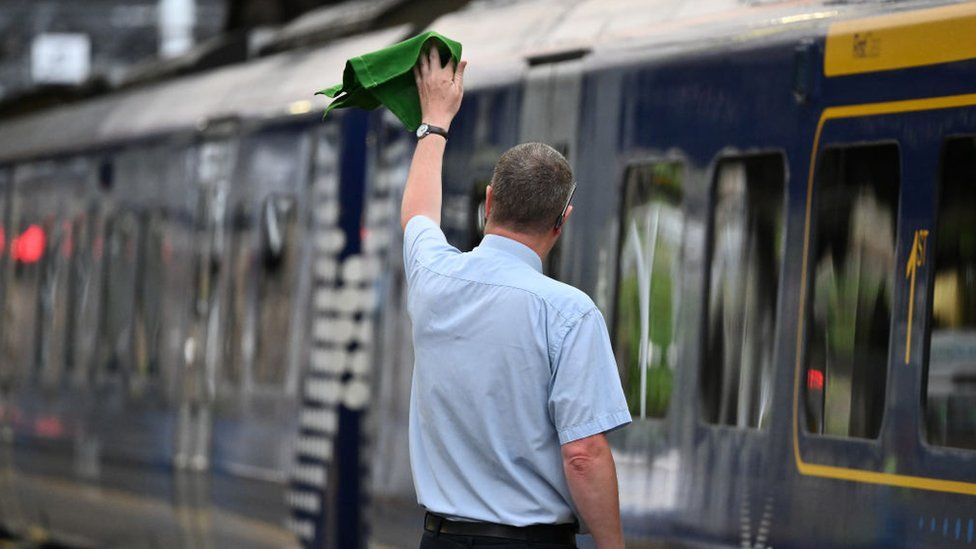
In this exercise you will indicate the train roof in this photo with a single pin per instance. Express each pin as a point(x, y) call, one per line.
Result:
point(501, 38)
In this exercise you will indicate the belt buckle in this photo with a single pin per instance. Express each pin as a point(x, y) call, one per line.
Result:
point(436, 522)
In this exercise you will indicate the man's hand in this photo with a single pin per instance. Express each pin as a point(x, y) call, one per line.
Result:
point(440, 88)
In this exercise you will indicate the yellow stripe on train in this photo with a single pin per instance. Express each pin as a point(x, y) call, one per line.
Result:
point(901, 40)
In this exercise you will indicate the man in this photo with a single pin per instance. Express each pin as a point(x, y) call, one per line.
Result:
point(515, 382)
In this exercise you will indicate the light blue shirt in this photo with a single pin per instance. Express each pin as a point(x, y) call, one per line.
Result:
point(510, 364)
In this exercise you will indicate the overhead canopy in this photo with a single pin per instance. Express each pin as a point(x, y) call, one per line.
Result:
point(267, 87)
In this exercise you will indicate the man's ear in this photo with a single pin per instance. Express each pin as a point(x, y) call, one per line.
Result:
point(569, 212)
point(487, 203)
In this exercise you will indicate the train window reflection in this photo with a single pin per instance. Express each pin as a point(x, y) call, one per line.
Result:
point(240, 325)
point(851, 279)
point(950, 411)
point(148, 308)
point(56, 249)
point(747, 252)
point(118, 293)
point(4, 269)
point(276, 284)
point(648, 285)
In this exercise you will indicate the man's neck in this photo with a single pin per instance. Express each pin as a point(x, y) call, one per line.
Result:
point(537, 243)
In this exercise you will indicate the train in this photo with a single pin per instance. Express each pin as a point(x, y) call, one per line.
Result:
point(204, 337)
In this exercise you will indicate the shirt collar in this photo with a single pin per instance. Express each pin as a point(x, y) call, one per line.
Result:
point(512, 247)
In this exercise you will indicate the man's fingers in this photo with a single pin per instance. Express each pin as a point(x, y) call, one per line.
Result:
point(435, 57)
point(416, 75)
point(423, 65)
point(459, 74)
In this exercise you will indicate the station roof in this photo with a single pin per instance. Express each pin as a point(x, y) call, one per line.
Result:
point(267, 87)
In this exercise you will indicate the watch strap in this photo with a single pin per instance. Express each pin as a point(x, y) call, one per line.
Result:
point(435, 130)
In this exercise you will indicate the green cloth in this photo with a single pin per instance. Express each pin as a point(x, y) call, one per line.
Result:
point(385, 77)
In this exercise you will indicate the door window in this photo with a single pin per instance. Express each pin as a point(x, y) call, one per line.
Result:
point(950, 382)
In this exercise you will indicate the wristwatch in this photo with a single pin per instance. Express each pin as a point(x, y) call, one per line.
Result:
point(426, 129)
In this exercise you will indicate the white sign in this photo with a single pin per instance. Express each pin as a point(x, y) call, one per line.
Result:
point(176, 20)
point(60, 58)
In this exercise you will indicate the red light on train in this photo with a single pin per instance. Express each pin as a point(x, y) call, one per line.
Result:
point(815, 380)
point(3, 241)
point(48, 427)
point(29, 246)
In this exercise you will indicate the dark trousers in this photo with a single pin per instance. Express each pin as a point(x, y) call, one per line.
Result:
point(451, 541)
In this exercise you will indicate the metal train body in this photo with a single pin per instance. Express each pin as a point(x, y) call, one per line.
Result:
point(143, 403)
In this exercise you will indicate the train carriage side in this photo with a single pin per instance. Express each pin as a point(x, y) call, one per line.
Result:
point(766, 355)
point(654, 136)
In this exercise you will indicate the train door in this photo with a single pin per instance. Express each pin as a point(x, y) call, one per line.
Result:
point(550, 114)
point(132, 238)
point(265, 296)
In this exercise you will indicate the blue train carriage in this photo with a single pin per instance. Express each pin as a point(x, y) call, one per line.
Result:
point(786, 292)
point(759, 218)
point(184, 303)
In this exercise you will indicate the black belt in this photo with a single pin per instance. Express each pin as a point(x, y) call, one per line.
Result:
point(539, 533)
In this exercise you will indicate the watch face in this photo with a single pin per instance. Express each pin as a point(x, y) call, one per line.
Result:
point(422, 130)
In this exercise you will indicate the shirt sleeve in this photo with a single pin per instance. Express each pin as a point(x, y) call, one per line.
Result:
point(586, 397)
point(422, 241)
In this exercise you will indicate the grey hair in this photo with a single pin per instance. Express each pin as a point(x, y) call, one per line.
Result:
point(530, 187)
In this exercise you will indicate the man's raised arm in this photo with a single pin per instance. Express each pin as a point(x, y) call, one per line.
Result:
point(441, 90)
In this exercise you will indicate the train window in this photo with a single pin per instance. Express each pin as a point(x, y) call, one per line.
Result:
point(648, 285)
point(149, 309)
point(276, 285)
point(950, 387)
point(54, 308)
point(118, 293)
point(240, 322)
point(747, 254)
point(23, 300)
point(851, 280)
point(80, 288)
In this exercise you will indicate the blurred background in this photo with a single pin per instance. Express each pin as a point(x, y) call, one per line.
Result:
point(203, 330)
point(57, 51)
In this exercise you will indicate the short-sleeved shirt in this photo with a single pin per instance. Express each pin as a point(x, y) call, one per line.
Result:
point(509, 365)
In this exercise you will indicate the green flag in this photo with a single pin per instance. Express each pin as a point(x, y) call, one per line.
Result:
point(385, 77)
